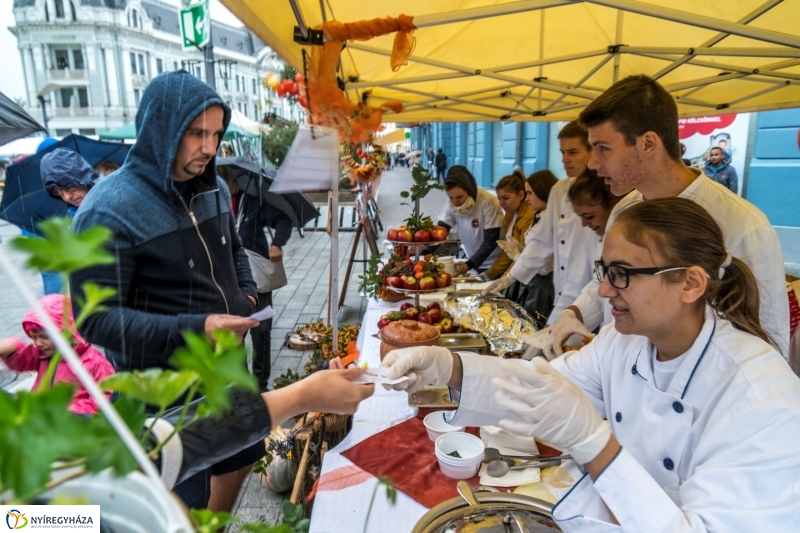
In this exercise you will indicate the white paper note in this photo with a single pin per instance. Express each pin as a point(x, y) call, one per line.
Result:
point(378, 375)
point(265, 314)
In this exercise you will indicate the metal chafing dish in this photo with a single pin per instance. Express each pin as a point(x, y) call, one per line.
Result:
point(488, 512)
point(465, 342)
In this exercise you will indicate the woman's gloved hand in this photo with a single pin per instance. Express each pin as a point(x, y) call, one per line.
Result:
point(567, 324)
point(511, 247)
point(550, 407)
point(424, 365)
point(501, 283)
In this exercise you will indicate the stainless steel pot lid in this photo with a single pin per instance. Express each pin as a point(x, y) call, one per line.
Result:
point(496, 512)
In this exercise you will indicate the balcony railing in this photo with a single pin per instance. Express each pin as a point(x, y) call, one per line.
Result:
point(67, 74)
point(60, 112)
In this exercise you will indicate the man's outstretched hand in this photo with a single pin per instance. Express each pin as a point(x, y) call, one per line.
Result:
point(237, 324)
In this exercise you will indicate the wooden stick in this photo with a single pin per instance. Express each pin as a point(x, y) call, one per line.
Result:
point(299, 480)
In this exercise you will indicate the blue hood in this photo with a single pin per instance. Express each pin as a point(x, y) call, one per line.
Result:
point(67, 169)
point(170, 103)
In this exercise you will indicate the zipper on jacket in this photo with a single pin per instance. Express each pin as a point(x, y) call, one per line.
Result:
point(208, 254)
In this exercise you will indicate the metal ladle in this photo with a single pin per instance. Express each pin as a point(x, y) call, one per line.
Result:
point(499, 468)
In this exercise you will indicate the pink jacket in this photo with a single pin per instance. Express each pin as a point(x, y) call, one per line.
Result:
point(28, 358)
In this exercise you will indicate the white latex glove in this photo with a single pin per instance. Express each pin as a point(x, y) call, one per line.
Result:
point(424, 365)
point(551, 408)
point(511, 247)
point(567, 325)
point(501, 283)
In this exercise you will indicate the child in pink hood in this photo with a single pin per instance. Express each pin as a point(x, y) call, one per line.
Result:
point(24, 357)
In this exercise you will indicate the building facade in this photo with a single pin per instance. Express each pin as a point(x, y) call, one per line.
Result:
point(89, 61)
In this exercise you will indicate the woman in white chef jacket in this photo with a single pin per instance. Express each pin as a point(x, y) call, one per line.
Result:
point(701, 413)
point(478, 216)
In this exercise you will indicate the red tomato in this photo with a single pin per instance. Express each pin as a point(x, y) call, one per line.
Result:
point(299, 78)
point(281, 92)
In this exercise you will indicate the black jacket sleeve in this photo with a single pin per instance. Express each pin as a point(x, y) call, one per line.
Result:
point(243, 275)
point(280, 222)
point(209, 440)
point(152, 337)
point(488, 245)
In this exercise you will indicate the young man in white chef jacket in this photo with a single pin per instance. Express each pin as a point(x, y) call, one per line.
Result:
point(684, 417)
point(633, 128)
point(559, 241)
point(478, 216)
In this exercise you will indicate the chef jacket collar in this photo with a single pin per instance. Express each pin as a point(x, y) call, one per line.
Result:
point(691, 359)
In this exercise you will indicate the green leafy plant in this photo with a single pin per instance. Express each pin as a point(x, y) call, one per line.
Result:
point(29, 420)
point(391, 495)
point(276, 143)
point(423, 184)
point(371, 280)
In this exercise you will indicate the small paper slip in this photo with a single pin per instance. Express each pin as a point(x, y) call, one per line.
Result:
point(378, 375)
point(265, 314)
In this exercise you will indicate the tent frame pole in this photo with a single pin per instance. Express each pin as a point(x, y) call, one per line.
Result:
point(757, 12)
point(701, 21)
point(469, 15)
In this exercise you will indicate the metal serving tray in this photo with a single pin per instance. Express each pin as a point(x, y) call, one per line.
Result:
point(467, 342)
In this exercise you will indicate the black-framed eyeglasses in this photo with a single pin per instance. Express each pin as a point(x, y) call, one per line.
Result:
point(620, 276)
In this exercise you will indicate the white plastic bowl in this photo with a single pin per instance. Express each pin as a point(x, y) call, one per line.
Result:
point(469, 447)
point(436, 425)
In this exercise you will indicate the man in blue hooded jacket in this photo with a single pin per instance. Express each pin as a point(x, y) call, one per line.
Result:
point(67, 176)
point(720, 170)
point(180, 264)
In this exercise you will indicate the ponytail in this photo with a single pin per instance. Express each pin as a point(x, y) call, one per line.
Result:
point(513, 183)
point(735, 297)
point(684, 234)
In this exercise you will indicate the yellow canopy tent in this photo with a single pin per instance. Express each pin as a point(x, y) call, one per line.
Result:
point(485, 60)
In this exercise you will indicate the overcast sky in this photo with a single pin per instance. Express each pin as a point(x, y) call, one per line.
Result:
point(12, 83)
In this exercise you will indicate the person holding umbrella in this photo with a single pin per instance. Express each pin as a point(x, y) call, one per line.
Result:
point(67, 176)
point(252, 215)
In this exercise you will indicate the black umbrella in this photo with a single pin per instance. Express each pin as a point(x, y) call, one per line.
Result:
point(14, 121)
point(255, 180)
point(26, 203)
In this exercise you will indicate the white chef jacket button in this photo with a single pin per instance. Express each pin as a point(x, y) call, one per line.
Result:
point(633, 370)
point(668, 464)
point(677, 407)
point(559, 293)
point(562, 268)
point(618, 417)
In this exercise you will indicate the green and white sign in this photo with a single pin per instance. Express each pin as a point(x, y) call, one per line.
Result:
point(195, 25)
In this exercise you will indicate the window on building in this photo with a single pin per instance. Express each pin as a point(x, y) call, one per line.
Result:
point(62, 59)
point(135, 18)
point(142, 71)
point(63, 132)
point(197, 72)
point(133, 63)
point(87, 131)
point(72, 10)
point(245, 110)
point(137, 97)
point(59, 9)
point(66, 97)
point(237, 84)
point(83, 97)
point(174, 65)
point(255, 89)
point(46, 13)
point(159, 66)
point(77, 60)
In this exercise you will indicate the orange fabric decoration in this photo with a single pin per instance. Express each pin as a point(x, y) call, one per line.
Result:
point(330, 106)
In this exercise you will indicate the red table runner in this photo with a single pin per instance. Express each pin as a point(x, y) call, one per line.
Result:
point(405, 454)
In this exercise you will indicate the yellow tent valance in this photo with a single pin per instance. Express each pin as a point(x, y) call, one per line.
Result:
point(489, 60)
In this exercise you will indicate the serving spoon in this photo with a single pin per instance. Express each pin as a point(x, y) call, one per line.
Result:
point(493, 454)
point(499, 468)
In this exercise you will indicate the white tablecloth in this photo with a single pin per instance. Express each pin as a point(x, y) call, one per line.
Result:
point(345, 510)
